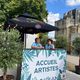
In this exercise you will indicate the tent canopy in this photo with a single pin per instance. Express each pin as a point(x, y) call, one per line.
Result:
point(29, 25)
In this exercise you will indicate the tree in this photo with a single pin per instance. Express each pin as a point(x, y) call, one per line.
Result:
point(61, 42)
point(35, 7)
point(10, 50)
point(12, 8)
point(43, 38)
point(76, 44)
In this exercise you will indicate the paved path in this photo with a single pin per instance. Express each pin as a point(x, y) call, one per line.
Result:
point(72, 76)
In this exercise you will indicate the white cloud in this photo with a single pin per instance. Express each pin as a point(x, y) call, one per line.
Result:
point(73, 2)
point(52, 17)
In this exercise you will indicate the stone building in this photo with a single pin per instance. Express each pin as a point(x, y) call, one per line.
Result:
point(69, 25)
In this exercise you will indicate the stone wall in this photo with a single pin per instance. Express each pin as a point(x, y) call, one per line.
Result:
point(69, 24)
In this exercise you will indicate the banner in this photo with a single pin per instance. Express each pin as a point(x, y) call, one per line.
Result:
point(61, 55)
point(43, 65)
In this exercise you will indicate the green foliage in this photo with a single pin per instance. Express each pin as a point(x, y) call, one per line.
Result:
point(76, 44)
point(12, 8)
point(44, 38)
point(10, 49)
point(61, 42)
point(35, 7)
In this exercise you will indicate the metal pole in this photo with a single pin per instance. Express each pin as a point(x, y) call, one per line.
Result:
point(24, 40)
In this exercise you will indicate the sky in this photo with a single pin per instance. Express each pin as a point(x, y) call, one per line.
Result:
point(57, 8)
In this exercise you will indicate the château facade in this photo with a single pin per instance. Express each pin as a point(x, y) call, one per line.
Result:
point(69, 25)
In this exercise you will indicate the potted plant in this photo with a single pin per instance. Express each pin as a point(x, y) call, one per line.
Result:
point(10, 51)
point(76, 44)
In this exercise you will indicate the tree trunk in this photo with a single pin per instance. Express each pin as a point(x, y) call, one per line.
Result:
point(4, 73)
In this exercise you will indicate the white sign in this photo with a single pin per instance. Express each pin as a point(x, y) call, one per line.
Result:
point(41, 65)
